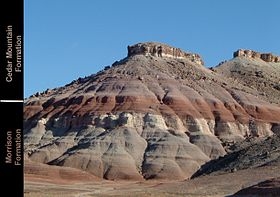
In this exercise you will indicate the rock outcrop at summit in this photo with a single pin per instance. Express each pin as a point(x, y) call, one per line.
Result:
point(148, 116)
point(162, 50)
point(267, 57)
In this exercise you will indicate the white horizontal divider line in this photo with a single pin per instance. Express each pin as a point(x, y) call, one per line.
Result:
point(11, 101)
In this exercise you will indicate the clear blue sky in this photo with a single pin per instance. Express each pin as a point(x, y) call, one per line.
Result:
point(67, 39)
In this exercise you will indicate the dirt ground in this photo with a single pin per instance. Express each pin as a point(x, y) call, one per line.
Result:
point(221, 185)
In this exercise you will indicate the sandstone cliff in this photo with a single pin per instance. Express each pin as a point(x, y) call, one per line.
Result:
point(267, 57)
point(162, 50)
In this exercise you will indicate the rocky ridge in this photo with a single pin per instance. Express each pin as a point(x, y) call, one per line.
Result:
point(250, 153)
point(149, 116)
point(260, 75)
point(267, 57)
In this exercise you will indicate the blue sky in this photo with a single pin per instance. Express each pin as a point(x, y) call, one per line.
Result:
point(68, 39)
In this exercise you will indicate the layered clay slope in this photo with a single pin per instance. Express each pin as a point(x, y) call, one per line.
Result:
point(158, 113)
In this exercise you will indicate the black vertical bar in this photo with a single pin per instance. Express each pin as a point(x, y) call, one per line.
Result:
point(11, 98)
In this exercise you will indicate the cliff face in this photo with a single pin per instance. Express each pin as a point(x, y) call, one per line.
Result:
point(267, 57)
point(162, 50)
point(152, 115)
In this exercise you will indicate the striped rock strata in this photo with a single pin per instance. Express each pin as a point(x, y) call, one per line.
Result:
point(147, 117)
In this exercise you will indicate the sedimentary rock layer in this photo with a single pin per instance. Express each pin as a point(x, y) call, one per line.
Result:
point(150, 115)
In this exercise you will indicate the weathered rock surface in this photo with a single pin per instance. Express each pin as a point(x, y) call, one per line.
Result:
point(162, 50)
point(261, 76)
point(267, 57)
point(151, 115)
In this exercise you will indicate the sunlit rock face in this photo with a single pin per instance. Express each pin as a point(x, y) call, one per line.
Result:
point(267, 57)
point(162, 50)
point(156, 114)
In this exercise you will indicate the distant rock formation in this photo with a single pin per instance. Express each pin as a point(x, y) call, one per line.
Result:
point(162, 50)
point(267, 57)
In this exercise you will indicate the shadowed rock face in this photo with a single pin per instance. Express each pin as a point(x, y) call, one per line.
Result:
point(266, 188)
point(250, 153)
point(151, 116)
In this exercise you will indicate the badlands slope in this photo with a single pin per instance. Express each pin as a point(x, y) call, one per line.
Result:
point(159, 113)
